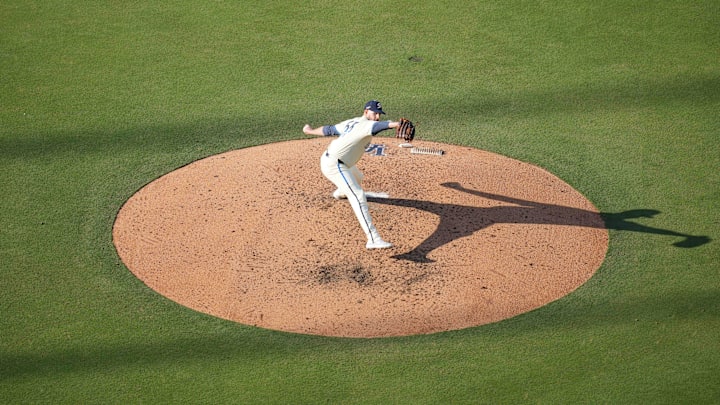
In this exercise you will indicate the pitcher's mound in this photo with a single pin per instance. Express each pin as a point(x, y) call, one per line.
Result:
point(255, 236)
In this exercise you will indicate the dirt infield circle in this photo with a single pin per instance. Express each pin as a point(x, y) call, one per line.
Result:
point(254, 236)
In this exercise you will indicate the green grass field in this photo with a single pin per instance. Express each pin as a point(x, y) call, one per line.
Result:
point(97, 98)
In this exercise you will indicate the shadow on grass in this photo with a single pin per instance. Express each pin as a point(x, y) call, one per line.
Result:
point(248, 345)
point(221, 134)
point(457, 221)
point(258, 346)
point(702, 90)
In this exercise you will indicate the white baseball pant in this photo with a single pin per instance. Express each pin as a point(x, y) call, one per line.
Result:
point(347, 180)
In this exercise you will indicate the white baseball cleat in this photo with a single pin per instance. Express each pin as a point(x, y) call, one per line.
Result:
point(338, 195)
point(378, 244)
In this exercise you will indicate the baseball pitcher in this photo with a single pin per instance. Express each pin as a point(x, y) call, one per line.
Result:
point(338, 162)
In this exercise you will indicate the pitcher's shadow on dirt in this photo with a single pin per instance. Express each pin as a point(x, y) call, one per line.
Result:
point(457, 221)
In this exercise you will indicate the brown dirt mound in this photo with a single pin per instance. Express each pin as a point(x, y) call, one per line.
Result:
point(254, 236)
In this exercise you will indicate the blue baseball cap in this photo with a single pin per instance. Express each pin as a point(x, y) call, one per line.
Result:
point(374, 106)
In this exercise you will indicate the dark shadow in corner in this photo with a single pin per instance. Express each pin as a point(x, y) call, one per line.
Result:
point(457, 221)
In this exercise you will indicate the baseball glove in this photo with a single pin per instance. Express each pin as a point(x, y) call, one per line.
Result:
point(406, 130)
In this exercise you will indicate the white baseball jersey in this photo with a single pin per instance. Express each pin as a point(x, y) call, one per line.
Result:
point(355, 136)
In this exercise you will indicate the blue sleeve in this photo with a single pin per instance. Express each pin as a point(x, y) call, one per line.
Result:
point(380, 126)
point(329, 130)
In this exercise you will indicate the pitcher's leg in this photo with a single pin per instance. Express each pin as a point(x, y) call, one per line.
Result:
point(356, 197)
point(348, 185)
point(358, 202)
point(357, 174)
